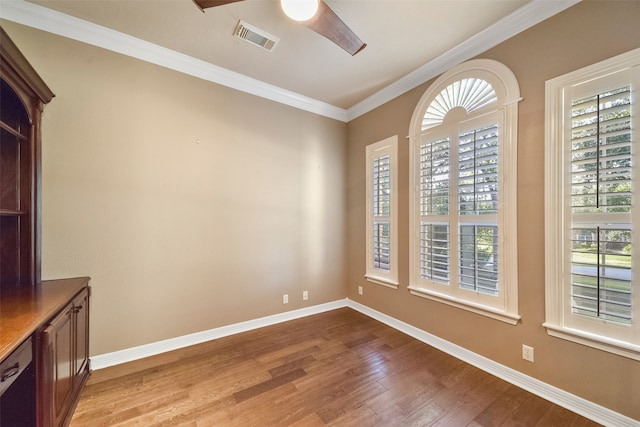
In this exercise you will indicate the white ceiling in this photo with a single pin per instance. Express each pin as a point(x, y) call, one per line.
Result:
point(408, 41)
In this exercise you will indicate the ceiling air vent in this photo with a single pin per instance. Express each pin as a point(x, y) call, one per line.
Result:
point(255, 36)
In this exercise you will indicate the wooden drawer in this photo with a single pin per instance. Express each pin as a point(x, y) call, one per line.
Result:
point(14, 365)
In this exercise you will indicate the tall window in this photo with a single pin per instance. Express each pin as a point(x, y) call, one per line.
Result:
point(591, 206)
point(382, 235)
point(463, 172)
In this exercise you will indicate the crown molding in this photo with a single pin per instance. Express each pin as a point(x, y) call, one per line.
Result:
point(42, 18)
point(54, 22)
point(527, 16)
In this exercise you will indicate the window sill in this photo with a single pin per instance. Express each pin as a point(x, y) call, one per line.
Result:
point(382, 281)
point(620, 348)
point(484, 310)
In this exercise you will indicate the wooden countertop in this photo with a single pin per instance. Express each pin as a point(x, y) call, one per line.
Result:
point(23, 311)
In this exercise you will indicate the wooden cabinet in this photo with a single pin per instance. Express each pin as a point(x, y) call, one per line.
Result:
point(65, 361)
point(54, 319)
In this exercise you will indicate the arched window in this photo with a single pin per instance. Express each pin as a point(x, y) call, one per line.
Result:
point(463, 140)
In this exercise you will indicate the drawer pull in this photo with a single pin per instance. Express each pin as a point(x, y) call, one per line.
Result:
point(9, 372)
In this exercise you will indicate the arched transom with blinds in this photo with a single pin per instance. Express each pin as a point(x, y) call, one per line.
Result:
point(468, 93)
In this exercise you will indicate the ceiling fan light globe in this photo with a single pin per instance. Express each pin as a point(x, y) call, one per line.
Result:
point(299, 10)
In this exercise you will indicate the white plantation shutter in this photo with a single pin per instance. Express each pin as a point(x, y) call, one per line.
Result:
point(474, 160)
point(459, 195)
point(591, 204)
point(381, 221)
point(479, 258)
point(434, 209)
point(478, 171)
point(434, 251)
point(478, 207)
point(601, 203)
point(601, 152)
point(434, 177)
point(381, 212)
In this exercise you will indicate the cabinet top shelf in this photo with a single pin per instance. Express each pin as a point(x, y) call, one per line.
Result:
point(11, 212)
point(6, 127)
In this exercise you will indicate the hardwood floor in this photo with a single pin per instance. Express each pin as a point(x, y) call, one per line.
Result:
point(339, 368)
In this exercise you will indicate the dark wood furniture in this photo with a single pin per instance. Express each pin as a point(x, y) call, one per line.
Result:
point(44, 326)
point(65, 349)
point(54, 317)
point(23, 96)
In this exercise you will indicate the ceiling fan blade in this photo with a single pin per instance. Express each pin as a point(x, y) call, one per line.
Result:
point(328, 24)
point(205, 4)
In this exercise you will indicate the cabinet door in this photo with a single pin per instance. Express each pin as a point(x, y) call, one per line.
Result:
point(60, 345)
point(81, 313)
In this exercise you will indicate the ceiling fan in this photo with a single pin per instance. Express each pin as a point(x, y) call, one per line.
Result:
point(316, 15)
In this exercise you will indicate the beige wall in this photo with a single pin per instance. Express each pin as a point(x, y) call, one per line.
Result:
point(584, 34)
point(190, 205)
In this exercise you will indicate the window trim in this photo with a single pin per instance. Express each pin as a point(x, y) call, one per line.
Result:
point(388, 146)
point(507, 91)
point(557, 220)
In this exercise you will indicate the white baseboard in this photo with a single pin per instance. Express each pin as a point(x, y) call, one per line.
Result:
point(560, 397)
point(581, 406)
point(135, 353)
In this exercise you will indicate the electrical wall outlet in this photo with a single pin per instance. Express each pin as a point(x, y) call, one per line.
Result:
point(305, 295)
point(360, 290)
point(285, 299)
point(527, 353)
